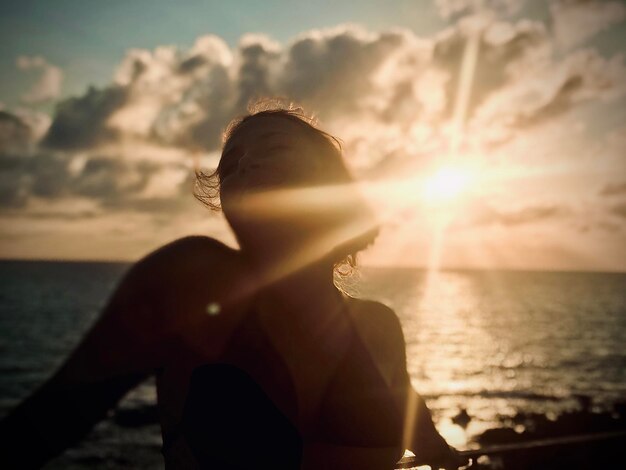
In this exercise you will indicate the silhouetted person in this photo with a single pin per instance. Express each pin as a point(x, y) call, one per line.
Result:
point(260, 361)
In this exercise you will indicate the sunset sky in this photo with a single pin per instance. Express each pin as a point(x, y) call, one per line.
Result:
point(486, 134)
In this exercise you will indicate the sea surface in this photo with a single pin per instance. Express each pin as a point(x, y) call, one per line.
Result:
point(491, 342)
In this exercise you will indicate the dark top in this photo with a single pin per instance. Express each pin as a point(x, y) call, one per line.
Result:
point(231, 421)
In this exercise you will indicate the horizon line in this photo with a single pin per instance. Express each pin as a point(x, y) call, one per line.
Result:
point(366, 265)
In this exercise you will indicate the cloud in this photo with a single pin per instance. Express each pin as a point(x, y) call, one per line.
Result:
point(48, 87)
point(132, 145)
point(614, 189)
point(185, 97)
point(82, 122)
point(545, 90)
point(115, 181)
point(357, 81)
point(505, 49)
point(482, 215)
point(179, 98)
point(619, 210)
point(451, 9)
point(15, 135)
point(35, 175)
point(575, 21)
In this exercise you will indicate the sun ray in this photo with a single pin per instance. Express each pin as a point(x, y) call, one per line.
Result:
point(447, 183)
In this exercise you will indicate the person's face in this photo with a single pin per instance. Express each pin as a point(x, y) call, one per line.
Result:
point(266, 158)
point(267, 152)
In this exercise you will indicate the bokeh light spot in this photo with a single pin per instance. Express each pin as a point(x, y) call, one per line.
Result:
point(213, 308)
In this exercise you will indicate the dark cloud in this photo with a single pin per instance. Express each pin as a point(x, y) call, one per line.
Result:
point(60, 215)
point(575, 21)
point(191, 64)
point(185, 98)
point(13, 182)
point(613, 189)
point(215, 102)
point(112, 179)
point(81, 122)
point(502, 46)
point(15, 135)
point(199, 92)
point(619, 210)
point(560, 101)
point(161, 205)
point(334, 71)
point(50, 175)
point(531, 214)
point(486, 215)
point(552, 89)
point(375, 85)
point(609, 227)
point(26, 170)
point(42, 174)
point(257, 61)
point(115, 182)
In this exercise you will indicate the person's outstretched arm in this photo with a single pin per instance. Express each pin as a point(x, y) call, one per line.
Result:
point(123, 347)
point(382, 334)
point(423, 439)
point(420, 436)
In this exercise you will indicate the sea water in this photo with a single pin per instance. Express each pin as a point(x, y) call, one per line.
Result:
point(491, 342)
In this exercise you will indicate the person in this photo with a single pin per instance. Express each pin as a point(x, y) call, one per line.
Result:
point(260, 360)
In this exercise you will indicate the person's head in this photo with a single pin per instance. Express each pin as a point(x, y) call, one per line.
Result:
point(283, 186)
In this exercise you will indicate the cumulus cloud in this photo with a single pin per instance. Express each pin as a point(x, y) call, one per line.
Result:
point(185, 98)
point(542, 92)
point(357, 81)
point(82, 122)
point(32, 171)
point(15, 135)
point(504, 49)
point(614, 189)
point(48, 86)
point(575, 21)
point(133, 143)
point(30, 175)
point(619, 210)
point(483, 214)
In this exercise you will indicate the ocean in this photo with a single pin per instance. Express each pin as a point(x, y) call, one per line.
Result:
point(493, 343)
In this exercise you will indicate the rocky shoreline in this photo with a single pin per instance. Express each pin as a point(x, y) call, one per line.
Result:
point(548, 453)
point(130, 438)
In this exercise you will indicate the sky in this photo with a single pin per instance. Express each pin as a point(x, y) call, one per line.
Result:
point(486, 134)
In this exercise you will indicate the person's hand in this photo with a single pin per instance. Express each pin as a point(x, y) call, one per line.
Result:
point(436, 453)
point(448, 459)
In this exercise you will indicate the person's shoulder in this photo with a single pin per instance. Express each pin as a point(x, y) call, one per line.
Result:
point(187, 265)
point(188, 254)
point(381, 331)
point(180, 279)
point(375, 315)
point(193, 247)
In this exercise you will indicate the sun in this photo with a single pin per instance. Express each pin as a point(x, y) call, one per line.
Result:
point(446, 185)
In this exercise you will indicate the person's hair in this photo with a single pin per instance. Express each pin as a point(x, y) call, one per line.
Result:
point(208, 184)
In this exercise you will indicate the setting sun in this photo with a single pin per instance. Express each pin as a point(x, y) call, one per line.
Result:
point(446, 185)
